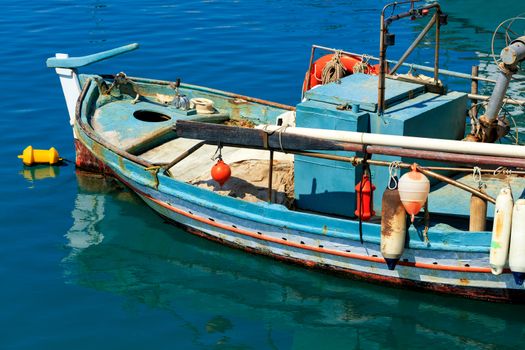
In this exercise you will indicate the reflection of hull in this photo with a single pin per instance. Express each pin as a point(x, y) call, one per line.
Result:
point(187, 277)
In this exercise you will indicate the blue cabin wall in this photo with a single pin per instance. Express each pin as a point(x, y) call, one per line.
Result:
point(329, 186)
point(325, 185)
point(427, 115)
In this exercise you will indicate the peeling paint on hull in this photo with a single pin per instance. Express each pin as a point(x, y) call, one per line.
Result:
point(87, 161)
point(486, 294)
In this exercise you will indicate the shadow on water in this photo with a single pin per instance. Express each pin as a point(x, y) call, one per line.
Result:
point(118, 246)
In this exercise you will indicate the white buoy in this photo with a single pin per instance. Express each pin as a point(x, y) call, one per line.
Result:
point(499, 246)
point(517, 242)
point(393, 227)
point(413, 191)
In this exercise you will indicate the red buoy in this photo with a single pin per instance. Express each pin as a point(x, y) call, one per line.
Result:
point(365, 192)
point(221, 172)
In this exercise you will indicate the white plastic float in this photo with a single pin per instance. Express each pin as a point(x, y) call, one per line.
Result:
point(499, 246)
point(517, 242)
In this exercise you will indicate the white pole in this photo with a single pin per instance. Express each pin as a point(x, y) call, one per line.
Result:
point(70, 87)
point(422, 143)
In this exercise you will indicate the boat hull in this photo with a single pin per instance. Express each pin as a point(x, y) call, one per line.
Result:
point(478, 293)
point(456, 263)
point(376, 272)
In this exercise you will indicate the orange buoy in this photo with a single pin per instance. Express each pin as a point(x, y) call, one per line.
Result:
point(349, 62)
point(413, 191)
point(365, 192)
point(220, 172)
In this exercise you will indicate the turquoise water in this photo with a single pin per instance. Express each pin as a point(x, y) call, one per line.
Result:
point(85, 265)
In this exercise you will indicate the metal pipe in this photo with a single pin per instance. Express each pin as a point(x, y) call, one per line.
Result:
point(474, 90)
point(183, 155)
point(414, 66)
point(420, 143)
point(509, 101)
point(309, 72)
point(270, 177)
point(409, 13)
point(423, 170)
point(434, 168)
point(416, 42)
point(447, 156)
point(511, 56)
point(498, 94)
point(456, 183)
point(382, 64)
point(436, 156)
point(436, 52)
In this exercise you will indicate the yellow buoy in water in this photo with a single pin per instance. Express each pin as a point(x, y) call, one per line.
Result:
point(32, 156)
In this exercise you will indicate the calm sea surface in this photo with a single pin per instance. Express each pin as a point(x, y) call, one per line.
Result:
point(85, 265)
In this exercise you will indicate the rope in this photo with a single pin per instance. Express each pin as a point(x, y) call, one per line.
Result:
point(218, 153)
point(502, 170)
point(476, 177)
point(362, 66)
point(427, 224)
point(393, 172)
point(279, 131)
point(476, 174)
point(334, 70)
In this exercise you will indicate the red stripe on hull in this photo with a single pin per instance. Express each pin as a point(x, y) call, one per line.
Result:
point(376, 259)
point(487, 294)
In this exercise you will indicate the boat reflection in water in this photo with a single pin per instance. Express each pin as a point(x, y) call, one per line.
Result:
point(225, 298)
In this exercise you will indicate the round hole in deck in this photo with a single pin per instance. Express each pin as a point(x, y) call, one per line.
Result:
point(150, 116)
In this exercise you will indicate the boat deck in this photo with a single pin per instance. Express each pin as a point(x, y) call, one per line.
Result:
point(249, 167)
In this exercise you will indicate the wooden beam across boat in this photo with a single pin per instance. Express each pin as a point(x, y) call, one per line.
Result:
point(288, 142)
point(254, 138)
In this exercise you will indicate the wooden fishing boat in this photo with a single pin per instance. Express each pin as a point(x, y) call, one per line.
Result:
point(301, 177)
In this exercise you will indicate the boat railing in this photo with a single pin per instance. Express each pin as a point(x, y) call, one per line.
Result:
point(388, 39)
